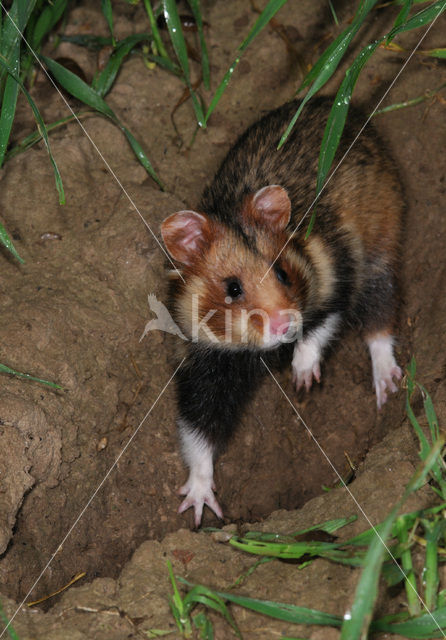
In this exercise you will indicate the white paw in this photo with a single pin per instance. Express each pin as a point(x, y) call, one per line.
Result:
point(306, 365)
point(385, 368)
point(199, 491)
point(384, 381)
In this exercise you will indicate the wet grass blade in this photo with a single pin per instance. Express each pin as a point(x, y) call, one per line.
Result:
point(199, 594)
point(196, 10)
point(402, 529)
point(13, 372)
point(336, 121)
point(338, 114)
point(7, 242)
point(420, 19)
point(141, 155)
point(78, 88)
point(425, 627)
point(40, 126)
point(269, 12)
point(281, 611)
point(46, 21)
point(155, 31)
point(404, 13)
point(410, 103)
point(330, 526)
point(9, 103)
point(82, 91)
point(329, 61)
point(14, 24)
point(434, 530)
point(357, 625)
point(107, 12)
point(104, 81)
point(173, 23)
point(36, 136)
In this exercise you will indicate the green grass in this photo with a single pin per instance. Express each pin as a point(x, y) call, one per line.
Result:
point(27, 376)
point(38, 18)
point(385, 551)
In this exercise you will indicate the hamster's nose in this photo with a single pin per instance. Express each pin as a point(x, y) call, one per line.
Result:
point(279, 323)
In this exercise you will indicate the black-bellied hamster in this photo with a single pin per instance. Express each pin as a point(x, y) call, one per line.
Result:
point(250, 281)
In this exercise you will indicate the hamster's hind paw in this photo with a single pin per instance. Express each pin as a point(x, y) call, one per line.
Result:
point(305, 377)
point(385, 382)
point(198, 492)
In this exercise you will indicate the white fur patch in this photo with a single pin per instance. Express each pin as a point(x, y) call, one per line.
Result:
point(308, 352)
point(199, 487)
point(384, 366)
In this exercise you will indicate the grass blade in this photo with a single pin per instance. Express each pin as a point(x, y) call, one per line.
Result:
point(209, 598)
point(338, 114)
point(82, 91)
point(402, 533)
point(173, 23)
point(329, 61)
point(7, 242)
point(155, 31)
point(330, 526)
point(104, 81)
point(336, 121)
point(40, 126)
point(141, 155)
point(78, 88)
point(196, 10)
point(13, 372)
point(279, 610)
point(425, 627)
point(13, 26)
point(47, 19)
point(269, 11)
point(283, 611)
point(431, 578)
point(419, 19)
point(7, 113)
point(36, 136)
point(357, 624)
point(107, 12)
point(403, 14)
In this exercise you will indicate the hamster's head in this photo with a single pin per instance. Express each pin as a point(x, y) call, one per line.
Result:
point(241, 285)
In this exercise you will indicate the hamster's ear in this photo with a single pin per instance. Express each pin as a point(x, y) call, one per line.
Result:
point(270, 207)
point(185, 234)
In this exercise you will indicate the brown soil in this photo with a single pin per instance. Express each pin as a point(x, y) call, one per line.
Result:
point(75, 311)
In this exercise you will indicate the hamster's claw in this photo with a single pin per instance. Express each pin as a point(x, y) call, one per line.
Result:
point(199, 492)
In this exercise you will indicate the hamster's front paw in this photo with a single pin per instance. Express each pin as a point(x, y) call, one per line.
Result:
point(199, 491)
point(306, 366)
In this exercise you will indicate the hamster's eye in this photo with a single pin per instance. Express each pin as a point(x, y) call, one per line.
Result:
point(234, 288)
point(281, 275)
